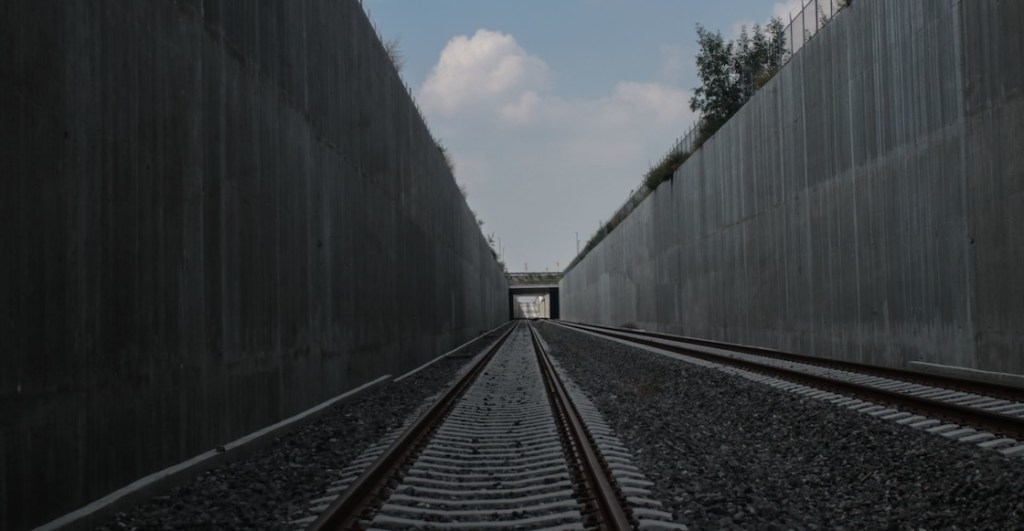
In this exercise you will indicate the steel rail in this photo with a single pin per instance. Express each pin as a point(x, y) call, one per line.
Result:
point(1008, 425)
point(346, 511)
point(994, 390)
point(597, 489)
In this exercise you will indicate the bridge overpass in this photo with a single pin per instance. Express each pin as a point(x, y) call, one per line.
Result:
point(533, 295)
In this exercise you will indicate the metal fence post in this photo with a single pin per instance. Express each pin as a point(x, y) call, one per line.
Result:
point(803, 24)
point(791, 49)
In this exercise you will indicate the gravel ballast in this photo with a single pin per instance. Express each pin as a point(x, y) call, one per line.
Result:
point(267, 489)
point(725, 452)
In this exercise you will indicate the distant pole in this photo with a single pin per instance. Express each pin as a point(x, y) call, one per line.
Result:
point(577, 243)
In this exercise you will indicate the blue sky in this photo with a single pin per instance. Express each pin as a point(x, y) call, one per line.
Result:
point(554, 110)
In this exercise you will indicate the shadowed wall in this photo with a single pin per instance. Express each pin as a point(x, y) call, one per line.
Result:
point(214, 214)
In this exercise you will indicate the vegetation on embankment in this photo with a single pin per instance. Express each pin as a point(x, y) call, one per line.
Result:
point(730, 74)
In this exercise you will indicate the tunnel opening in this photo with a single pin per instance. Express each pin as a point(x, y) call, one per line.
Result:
point(532, 307)
point(533, 303)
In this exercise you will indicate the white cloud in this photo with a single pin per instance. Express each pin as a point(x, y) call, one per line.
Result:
point(675, 61)
point(784, 9)
point(489, 77)
point(486, 68)
point(522, 150)
point(522, 109)
point(662, 103)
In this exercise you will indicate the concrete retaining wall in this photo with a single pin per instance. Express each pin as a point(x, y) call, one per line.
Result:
point(867, 204)
point(214, 214)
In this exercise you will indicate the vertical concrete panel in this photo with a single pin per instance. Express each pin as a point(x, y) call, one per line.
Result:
point(994, 105)
point(217, 213)
point(862, 205)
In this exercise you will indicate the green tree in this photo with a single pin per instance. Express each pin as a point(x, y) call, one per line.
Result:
point(394, 50)
point(731, 72)
point(718, 97)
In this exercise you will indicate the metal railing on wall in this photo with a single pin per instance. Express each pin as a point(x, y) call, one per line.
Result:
point(809, 19)
point(803, 24)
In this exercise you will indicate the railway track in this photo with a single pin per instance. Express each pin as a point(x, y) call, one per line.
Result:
point(986, 414)
point(506, 447)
